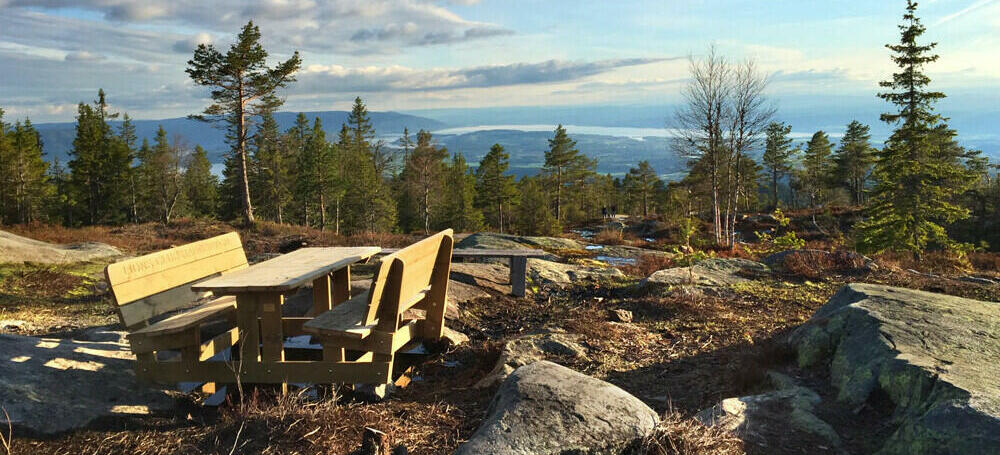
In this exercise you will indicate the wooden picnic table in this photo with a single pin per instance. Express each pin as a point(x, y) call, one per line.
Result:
point(518, 263)
point(260, 291)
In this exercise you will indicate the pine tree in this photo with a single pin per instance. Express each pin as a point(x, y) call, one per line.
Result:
point(777, 156)
point(534, 217)
point(919, 171)
point(854, 159)
point(642, 183)
point(129, 138)
point(457, 210)
point(564, 165)
point(200, 185)
point(496, 192)
point(818, 167)
point(243, 87)
point(6, 181)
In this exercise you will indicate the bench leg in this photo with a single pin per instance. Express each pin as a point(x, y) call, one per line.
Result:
point(272, 340)
point(518, 276)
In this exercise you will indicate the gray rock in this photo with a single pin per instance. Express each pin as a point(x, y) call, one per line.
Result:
point(529, 349)
point(545, 408)
point(547, 272)
point(48, 385)
point(620, 315)
point(710, 272)
point(490, 240)
point(767, 420)
point(978, 280)
point(17, 249)
point(485, 275)
point(935, 356)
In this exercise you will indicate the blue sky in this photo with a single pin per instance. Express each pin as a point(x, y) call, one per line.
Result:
point(423, 54)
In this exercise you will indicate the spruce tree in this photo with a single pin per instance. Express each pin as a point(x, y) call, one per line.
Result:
point(100, 165)
point(818, 167)
point(200, 185)
point(423, 178)
point(270, 179)
point(777, 156)
point(129, 138)
point(854, 160)
point(160, 167)
point(24, 175)
point(496, 192)
point(457, 209)
point(918, 173)
point(369, 204)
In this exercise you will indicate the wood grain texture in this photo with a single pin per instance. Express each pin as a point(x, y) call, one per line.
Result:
point(192, 317)
point(475, 252)
point(287, 272)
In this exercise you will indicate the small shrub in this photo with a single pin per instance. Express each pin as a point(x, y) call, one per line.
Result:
point(646, 264)
point(676, 435)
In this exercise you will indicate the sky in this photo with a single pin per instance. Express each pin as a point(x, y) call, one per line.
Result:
point(425, 54)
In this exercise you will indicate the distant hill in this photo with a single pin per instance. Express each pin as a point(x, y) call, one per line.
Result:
point(57, 138)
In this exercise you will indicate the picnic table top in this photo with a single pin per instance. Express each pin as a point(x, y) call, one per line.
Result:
point(481, 252)
point(286, 272)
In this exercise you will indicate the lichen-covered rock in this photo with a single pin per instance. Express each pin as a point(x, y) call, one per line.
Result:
point(937, 357)
point(783, 418)
point(17, 249)
point(547, 409)
point(490, 240)
point(709, 272)
point(529, 349)
point(547, 272)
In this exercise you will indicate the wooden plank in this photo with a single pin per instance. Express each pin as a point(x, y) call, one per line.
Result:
point(322, 301)
point(324, 372)
point(437, 298)
point(218, 344)
point(150, 264)
point(270, 327)
point(147, 344)
point(477, 252)
point(287, 272)
point(189, 318)
point(518, 276)
point(343, 320)
point(246, 321)
point(136, 314)
point(132, 290)
point(341, 285)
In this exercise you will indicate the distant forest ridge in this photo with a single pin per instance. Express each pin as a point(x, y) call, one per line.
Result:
point(616, 151)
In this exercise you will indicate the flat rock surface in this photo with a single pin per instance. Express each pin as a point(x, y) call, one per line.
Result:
point(935, 356)
point(545, 408)
point(709, 272)
point(488, 275)
point(490, 240)
point(17, 249)
point(48, 385)
point(547, 272)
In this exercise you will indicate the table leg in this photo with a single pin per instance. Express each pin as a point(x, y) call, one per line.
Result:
point(246, 321)
point(272, 340)
point(321, 296)
point(341, 285)
point(518, 275)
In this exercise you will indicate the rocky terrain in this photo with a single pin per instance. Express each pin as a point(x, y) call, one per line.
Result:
point(631, 347)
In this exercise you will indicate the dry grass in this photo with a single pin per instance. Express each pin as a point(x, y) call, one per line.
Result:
point(814, 265)
point(676, 435)
point(935, 262)
point(646, 264)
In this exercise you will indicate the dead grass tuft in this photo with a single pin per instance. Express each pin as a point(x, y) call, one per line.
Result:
point(814, 265)
point(646, 264)
point(677, 435)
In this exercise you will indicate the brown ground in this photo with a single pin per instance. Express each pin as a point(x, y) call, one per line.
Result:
point(684, 351)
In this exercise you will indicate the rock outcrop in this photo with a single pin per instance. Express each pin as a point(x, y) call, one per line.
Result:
point(48, 385)
point(490, 240)
point(17, 249)
point(541, 271)
point(709, 272)
point(529, 349)
point(935, 357)
point(780, 421)
point(545, 408)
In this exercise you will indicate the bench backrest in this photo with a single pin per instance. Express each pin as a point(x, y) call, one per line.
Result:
point(411, 276)
point(155, 284)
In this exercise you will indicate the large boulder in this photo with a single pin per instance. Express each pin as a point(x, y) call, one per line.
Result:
point(777, 421)
point(545, 408)
point(49, 385)
point(485, 275)
point(709, 272)
point(17, 249)
point(937, 357)
point(529, 349)
point(556, 273)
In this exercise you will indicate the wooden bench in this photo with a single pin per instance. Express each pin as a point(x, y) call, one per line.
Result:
point(155, 302)
point(518, 260)
point(371, 325)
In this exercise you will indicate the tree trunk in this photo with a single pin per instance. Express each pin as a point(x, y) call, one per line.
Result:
point(241, 150)
point(500, 215)
point(558, 194)
point(322, 211)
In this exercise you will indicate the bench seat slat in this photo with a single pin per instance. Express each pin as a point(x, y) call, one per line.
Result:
point(189, 318)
